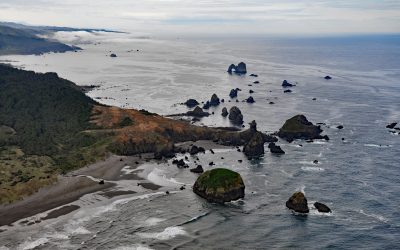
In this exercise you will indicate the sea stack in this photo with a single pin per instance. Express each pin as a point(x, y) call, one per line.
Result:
point(219, 185)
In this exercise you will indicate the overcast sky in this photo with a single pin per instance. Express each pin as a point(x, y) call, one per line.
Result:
point(212, 16)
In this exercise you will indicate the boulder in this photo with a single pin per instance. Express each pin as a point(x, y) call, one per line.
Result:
point(206, 105)
point(219, 185)
point(256, 82)
point(179, 163)
point(327, 77)
point(191, 103)
point(214, 100)
point(255, 146)
point(253, 75)
point(275, 149)
point(287, 91)
point(233, 93)
point(224, 112)
point(250, 100)
point(286, 84)
point(340, 127)
point(235, 116)
point(298, 203)
point(298, 127)
point(251, 91)
point(322, 208)
point(392, 125)
point(195, 150)
point(101, 182)
point(197, 112)
point(113, 55)
point(198, 170)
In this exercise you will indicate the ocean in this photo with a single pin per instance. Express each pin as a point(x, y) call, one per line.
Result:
point(358, 169)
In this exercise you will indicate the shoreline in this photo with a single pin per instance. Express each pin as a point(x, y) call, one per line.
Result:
point(72, 186)
point(67, 189)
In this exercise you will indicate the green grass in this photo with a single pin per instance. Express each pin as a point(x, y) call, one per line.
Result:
point(219, 178)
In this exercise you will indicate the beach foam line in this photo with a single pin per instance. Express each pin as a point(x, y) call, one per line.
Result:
point(134, 247)
point(158, 177)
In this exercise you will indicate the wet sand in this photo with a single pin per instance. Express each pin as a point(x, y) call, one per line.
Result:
point(68, 188)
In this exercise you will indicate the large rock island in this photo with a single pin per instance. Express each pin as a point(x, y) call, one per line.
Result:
point(219, 185)
point(298, 127)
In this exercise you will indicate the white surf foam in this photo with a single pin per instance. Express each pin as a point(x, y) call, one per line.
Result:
point(153, 221)
point(134, 247)
point(375, 216)
point(167, 234)
point(377, 146)
point(312, 169)
point(158, 177)
point(33, 244)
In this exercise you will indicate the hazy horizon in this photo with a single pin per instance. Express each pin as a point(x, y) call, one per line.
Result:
point(271, 17)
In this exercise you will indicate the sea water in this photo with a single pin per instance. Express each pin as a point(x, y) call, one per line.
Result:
point(357, 174)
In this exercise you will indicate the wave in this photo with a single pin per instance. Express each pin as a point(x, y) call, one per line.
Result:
point(153, 221)
point(134, 247)
point(167, 234)
point(375, 216)
point(377, 146)
point(312, 169)
point(158, 177)
point(196, 218)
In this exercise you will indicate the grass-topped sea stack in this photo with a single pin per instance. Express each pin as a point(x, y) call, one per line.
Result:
point(219, 185)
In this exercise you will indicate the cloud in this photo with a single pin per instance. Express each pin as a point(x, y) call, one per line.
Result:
point(233, 16)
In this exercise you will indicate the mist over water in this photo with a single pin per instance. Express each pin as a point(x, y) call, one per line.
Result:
point(357, 177)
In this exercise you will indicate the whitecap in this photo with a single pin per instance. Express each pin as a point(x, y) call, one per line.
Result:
point(153, 221)
point(128, 170)
point(375, 216)
point(312, 169)
point(134, 247)
point(167, 234)
point(377, 146)
point(33, 244)
point(301, 189)
point(158, 177)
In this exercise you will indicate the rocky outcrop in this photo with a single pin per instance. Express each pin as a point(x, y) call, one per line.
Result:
point(224, 112)
point(322, 208)
point(255, 146)
point(233, 93)
point(219, 185)
point(327, 77)
point(198, 170)
point(195, 150)
point(250, 100)
point(298, 203)
point(392, 125)
point(235, 116)
point(253, 75)
point(197, 112)
point(191, 103)
point(286, 84)
point(275, 149)
point(287, 91)
point(214, 100)
point(298, 127)
point(239, 69)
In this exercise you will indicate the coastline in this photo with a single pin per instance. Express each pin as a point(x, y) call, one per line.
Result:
point(67, 189)
point(57, 198)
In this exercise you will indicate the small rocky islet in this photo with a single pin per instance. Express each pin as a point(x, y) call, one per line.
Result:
point(219, 185)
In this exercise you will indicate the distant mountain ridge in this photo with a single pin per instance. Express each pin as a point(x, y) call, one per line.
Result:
point(22, 39)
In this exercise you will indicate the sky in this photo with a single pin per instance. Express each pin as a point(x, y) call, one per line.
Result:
point(299, 17)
